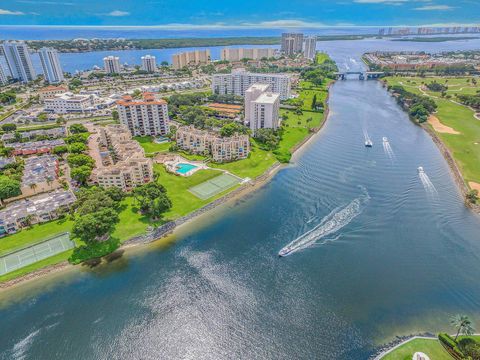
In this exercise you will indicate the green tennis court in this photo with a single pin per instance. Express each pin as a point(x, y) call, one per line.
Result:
point(214, 186)
point(34, 253)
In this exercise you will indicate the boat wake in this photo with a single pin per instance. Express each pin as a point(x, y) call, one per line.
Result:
point(427, 183)
point(388, 149)
point(329, 225)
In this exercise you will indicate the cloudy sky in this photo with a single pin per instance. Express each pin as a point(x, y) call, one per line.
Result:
point(247, 13)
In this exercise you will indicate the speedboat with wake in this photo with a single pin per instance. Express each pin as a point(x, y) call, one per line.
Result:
point(420, 170)
point(368, 143)
point(385, 139)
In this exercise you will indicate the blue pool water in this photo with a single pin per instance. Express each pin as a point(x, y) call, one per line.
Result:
point(185, 168)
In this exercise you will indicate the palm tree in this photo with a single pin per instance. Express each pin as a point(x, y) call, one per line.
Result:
point(463, 325)
point(33, 186)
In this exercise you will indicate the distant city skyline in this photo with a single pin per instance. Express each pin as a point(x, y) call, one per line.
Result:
point(216, 14)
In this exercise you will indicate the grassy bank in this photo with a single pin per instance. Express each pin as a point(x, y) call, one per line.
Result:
point(465, 146)
point(297, 126)
point(430, 347)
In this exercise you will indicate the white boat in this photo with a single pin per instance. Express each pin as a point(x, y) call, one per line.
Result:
point(284, 252)
point(420, 170)
point(368, 143)
point(385, 139)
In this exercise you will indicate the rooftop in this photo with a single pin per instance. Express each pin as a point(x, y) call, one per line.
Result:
point(267, 98)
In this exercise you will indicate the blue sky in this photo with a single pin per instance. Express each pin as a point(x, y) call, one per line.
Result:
point(192, 14)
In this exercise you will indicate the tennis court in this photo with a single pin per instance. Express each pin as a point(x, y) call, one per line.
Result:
point(34, 253)
point(214, 186)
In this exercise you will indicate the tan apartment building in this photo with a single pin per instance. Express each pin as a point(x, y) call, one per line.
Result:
point(124, 164)
point(51, 91)
point(148, 116)
point(221, 149)
point(237, 54)
point(196, 57)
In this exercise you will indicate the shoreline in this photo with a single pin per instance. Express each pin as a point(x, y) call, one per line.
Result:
point(448, 157)
point(171, 227)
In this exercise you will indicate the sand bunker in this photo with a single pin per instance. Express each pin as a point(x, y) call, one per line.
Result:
point(439, 127)
point(474, 186)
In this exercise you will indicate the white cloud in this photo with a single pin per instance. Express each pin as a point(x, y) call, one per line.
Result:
point(434, 7)
point(285, 23)
point(118, 13)
point(9, 12)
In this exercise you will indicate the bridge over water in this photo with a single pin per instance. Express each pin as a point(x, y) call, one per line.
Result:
point(362, 75)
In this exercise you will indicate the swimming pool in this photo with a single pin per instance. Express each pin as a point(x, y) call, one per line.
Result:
point(183, 168)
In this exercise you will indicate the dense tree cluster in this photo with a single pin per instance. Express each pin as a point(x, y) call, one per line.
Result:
point(231, 128)
point(470, 100)
point(77, 129)
point(435, 86)
point(268, 139)
point(81, 166)
point(419, 107)
point(7, 97)
point(152, 199)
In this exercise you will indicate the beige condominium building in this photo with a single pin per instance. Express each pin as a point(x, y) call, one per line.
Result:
point(124, 164)
point(221, 149)
point(196, 57)
point(148, 116)
point(236, 54)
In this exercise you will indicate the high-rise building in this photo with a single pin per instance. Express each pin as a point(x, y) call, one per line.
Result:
point(239, 81)
point(231, 54)
point(262, 107)
point(252, 93)
point(290, 48)
point(149, 63)
point(52, 70)
point(3, 76)
point(112, 64)
point(196, 57)
point(310, 47)
point(148, 116)
point(19, 61)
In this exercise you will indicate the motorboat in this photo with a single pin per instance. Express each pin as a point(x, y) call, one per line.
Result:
point(368, 143)
point(285, 251)
point(385, 139)
point(420, 170)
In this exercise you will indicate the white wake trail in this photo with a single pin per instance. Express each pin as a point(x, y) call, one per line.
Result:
point(388, 149)
point(330, 224)
point(427, 184)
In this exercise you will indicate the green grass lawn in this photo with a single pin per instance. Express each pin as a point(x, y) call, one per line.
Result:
point(255, 165)
point(147, 143)
point(34, 235)
point(432, 348)
point(320, 58)
point(183, 201)
point(458, 117)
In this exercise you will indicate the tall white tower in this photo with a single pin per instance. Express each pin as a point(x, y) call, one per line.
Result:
point(19, 61)
point(112, 64)
point(51, 65)
point(149, 63)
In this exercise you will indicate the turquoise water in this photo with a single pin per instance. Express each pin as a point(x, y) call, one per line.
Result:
point(183, 168)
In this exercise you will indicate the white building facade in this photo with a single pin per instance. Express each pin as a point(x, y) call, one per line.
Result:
point(112, 64)
point(310, 47)
point(71, 103)
point(148, 116)
point(19, 61)
point(262, 107)
point(52, 70)
point(239, 81)
point(149, 63)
